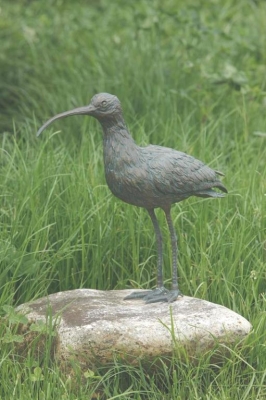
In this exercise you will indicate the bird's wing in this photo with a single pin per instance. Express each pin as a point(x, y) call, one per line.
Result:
point(177, 173)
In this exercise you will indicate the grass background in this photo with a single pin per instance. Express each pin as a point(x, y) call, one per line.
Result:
point(190, 75)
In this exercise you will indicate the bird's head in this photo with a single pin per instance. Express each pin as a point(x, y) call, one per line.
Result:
point(102, 106)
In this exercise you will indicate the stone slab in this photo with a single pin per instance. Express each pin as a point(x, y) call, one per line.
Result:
point(98, 324)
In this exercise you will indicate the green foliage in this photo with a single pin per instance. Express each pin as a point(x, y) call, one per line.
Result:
point(190, 75)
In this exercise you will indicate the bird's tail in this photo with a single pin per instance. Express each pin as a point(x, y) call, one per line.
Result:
point(210, 193)
point(219, 173)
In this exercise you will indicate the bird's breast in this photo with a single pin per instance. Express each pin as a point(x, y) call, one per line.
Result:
point(127, 182)
point(124, 172)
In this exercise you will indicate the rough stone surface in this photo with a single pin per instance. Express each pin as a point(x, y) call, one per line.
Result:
point(96, 324)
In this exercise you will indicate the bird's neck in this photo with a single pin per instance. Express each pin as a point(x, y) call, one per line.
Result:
point(115, 130)
point(113, 122)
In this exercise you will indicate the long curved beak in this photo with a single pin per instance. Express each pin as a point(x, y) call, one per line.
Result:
point(87, 110)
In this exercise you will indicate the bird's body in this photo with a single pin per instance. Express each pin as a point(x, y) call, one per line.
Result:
point(158, 176)
point(148, 177)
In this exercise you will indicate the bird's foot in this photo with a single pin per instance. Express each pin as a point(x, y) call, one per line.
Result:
point(157, 295)
point(138, 295)
point(162, 295)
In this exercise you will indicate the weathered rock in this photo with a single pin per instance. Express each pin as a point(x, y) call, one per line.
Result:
point(94, 325)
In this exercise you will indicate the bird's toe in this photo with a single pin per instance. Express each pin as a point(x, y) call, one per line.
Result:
point(156, 295)
point(163, 295)
point(173, 295)
point(138, 295)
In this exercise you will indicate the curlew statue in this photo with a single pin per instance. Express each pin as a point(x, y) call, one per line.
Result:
point(149, 177)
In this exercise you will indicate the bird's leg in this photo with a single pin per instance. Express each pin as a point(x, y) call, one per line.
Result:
point(147, 294)
point(162, 294)
point(159, 241)
point(151, 296)
point(175, 292)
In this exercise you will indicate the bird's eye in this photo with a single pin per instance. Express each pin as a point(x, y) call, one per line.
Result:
point(104, 102)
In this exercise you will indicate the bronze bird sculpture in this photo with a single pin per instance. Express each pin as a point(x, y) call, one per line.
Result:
point(149, 177)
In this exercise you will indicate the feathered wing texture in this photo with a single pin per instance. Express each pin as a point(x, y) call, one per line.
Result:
point(179, 175)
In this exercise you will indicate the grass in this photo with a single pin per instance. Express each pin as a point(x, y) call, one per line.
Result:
point(190, 76)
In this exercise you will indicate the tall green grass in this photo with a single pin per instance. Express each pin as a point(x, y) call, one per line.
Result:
point(190, 75)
